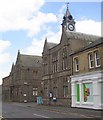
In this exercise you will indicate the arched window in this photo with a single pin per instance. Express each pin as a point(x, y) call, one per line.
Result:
point(55, 62)
point(64, 59)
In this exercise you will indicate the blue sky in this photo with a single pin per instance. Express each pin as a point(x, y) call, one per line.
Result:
point(25, 24)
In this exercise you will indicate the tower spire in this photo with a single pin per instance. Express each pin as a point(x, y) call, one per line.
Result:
point(67, 4)
point(68, 21)
point(67, 11)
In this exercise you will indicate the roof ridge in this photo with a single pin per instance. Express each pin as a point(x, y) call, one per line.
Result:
point(31, 55)
point(90, 35)
point(52, 42)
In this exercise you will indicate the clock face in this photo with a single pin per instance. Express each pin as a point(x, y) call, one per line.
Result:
point(71, 27)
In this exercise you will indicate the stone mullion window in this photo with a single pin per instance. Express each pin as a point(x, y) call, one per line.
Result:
point(53, 69)
point(64, 59)
point(55, 91)
point(35, 91)
point(63, 64)
point(45, 65)
point(54, 64)
point(45, 68)
point(65, 88)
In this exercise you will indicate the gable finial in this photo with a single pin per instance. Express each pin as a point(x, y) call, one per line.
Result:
point(18, 51)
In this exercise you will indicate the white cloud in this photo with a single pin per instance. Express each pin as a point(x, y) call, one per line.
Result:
point(19, 9)
point(13, 13)
point(5, 58)
point(36, 47)
point(4, 45)
point(89, 27)
point(38, 22)
point(54, 36)
point(4, 55)
point(23, 15)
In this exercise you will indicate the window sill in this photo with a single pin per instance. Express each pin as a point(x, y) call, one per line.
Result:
point(77, 71)
point(91, 67)
point(98, 66)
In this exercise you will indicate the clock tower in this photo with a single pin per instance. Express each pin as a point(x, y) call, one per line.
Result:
point(68, 22)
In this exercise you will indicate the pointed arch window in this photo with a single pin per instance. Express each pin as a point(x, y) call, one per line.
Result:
point(64, 59)
point(65, 87)
point(45, 66)
point(55, 62)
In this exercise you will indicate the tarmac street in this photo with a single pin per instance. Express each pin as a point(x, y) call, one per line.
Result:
point(32, 110)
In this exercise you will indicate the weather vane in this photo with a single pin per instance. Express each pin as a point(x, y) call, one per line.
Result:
point(67, 4)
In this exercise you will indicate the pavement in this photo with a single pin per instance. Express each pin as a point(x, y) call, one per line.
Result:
point(61, 109)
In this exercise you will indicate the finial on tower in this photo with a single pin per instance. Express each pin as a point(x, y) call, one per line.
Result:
point(67, 4)
point(67, 11)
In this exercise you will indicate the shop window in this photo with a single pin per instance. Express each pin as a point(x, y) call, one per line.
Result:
point(78, 92)
point(88, 92)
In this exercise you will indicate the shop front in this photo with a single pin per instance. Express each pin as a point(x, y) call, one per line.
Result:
point(86, 90)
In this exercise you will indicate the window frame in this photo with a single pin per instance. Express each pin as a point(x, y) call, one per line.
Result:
point(91, 60)
point(54, 63)
point(97, 58)
point(76, 64)
point(64, 58)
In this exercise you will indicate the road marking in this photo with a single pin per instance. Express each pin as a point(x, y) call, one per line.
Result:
point(40, 116)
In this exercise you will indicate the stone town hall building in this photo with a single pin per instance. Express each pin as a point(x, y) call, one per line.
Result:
point(56, 66)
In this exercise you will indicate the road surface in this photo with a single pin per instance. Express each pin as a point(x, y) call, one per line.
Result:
point(18, 110)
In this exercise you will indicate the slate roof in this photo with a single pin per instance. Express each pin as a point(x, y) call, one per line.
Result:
point(91, 45)
point(51, 45)
point(30, 60)
point(78, 35)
